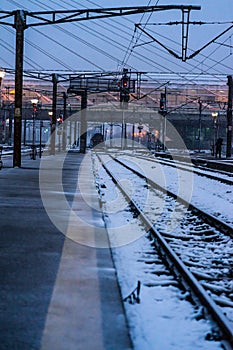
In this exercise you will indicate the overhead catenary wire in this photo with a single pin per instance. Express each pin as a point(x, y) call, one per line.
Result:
point(77, 25)
point(216, 62)
point(96, 48)
point(210, 58)
point(68, 49)
point(11, 49)
point(173, 72)
point(73, 2)
point(111, 20)
point(138, 56)
point(60, 44)
point(71, 34)
point(179, 22)
point(130, 21)
point(106, 38)
point(32, 63)
point(130, 48)
point(63, 46)
point(142, 56)
point(194, 66)
point(176, 43)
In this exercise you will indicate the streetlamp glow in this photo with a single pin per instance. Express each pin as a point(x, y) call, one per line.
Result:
point(34, 101)
point(214, 115)
point(2, 75)
point(215, 125)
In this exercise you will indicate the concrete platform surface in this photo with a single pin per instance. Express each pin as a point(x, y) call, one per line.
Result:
point(57, 293)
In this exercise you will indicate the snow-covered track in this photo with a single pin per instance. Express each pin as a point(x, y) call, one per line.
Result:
point(199, 169)
point(210, 219)
point(207, 278)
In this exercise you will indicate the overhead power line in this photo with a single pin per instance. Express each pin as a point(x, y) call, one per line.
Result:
point(25, 19)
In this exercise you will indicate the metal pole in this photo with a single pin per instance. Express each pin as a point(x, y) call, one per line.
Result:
point(10, 126)
point(54, 115)
point(83, 131)
point(133, 132)
point(19, 26)
point(214, 145)
point(229, 117)
point(122, 127)
point(165, 121)
point(103, 130)
point(64, 126)
point(200, 125)
point(24, 132)
point(41, 126)
point(111, 135)
point(125, 136)
point(33, 135)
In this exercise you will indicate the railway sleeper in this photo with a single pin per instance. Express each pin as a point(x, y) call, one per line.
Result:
point(215, 288)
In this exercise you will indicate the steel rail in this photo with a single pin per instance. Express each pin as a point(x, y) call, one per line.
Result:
point(192, 169)
point(217, 223)
point(198, 290)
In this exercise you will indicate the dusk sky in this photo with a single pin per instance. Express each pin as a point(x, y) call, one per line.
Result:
point(111, 44)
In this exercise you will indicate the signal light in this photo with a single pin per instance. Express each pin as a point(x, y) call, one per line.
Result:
point(125, 82)
point(59, 120)
point(125, 88)
point(162, 103)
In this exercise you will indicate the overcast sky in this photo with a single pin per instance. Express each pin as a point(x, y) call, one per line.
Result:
point(110, 44)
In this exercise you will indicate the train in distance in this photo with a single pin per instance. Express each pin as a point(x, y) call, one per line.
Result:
point(96, 139)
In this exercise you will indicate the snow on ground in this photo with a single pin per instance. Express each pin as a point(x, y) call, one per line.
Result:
point(210, 195)
point(163, 319)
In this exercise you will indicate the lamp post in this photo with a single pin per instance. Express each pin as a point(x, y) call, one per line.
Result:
point(200, 124)
point(2, 75)
point(41, 127)
point(215, 126)
point(34, 102)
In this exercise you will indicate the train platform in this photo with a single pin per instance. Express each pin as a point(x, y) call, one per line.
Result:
point(212, 162)
point(56, 292)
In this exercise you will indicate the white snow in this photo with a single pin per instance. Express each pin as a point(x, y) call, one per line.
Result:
point(163, 319)
point(210, 195)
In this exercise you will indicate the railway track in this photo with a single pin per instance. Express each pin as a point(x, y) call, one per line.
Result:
point(218, 175)
point(196, 247)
